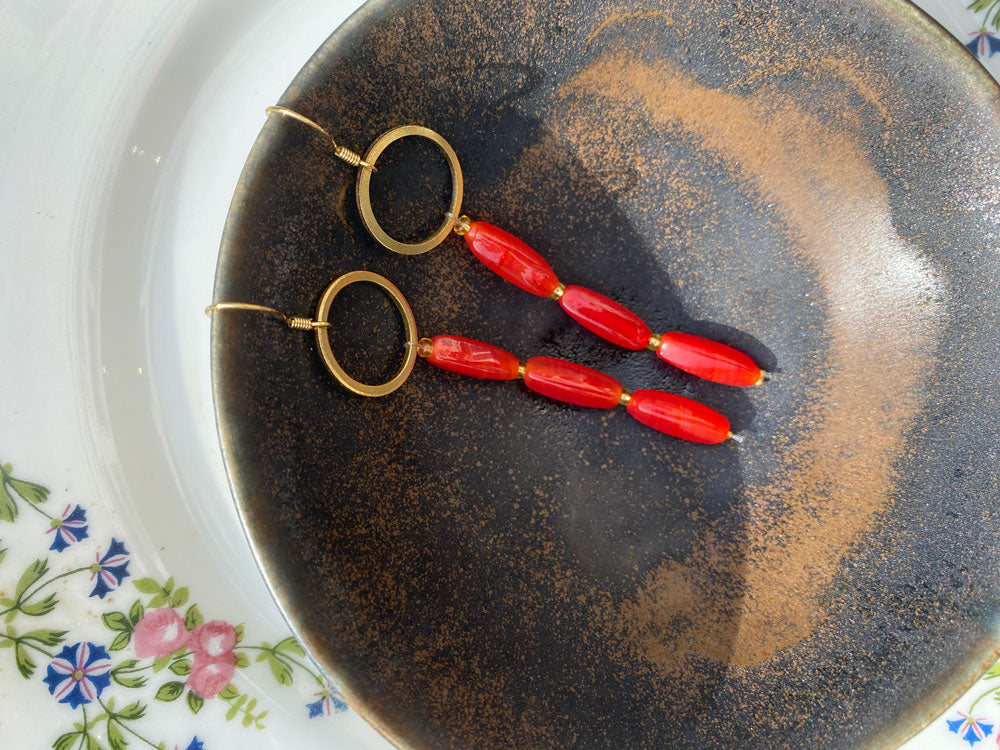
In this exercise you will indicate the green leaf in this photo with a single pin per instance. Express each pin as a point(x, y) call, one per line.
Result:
point(123, 675)
point(121, 641)
point(65, 741)
point(130, 681)
point(33, 572)
point(238, 631)
point(132, 711)
point(7, 644)
point(247, 720)
point(37, 609)
point(116, 740)
point(994, 672)
point(161, 663)
point(168, 586)
point(5, 602)
point(24, 663)
point(251, 705)
point(240, 700)
point(45, 637)
point(8, 509)
point(259, 721)
point(169, 691)
point(157, 601)
point(291, 646)
point(281, 671)
point(147, 586)
point(136, 612)
point(193, 618)
point(262, 655)
point(181, 668)
point(92, 744)
point(33, 493)
point(180, 597)
point(195, 702)
point(116, 621)
point(228, 693)
point(242, 660)
point(231, 713)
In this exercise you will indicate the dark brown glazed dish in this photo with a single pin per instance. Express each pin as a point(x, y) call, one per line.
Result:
point(817, 184)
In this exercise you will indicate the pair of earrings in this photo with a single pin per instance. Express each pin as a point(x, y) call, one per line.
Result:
point(519, 264)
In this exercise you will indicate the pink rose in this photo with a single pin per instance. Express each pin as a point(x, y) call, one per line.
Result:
point(210, 674)
point(214, 660)
point(213, 639)
point(159, 633)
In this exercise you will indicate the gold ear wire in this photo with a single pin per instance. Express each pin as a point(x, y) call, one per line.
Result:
point(322, 325)
point(341, 152)
point(295, 322)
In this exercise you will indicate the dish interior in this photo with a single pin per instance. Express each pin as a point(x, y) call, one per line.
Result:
point(481, 567)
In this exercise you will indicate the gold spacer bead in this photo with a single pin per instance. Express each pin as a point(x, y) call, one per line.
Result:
point(462, 225)
point(425, 347)
point(520, 370)
point(558, 292)
point(654, 342)
point(625, 397)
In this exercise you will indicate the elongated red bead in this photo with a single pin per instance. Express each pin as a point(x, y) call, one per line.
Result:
point(605, 317)
point(572, 383)
point(472, 358)
point(708, 359)
point(678, 416)
point(506, 255)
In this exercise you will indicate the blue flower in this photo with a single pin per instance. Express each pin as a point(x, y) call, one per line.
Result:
point(69, 529)
point(330, 701)
point(315, 709)
point(969, 729)
point(984, 43)
point(110, 570)
point(79, 674)
point(196, 744)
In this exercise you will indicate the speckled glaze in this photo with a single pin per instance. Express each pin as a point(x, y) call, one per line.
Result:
point(816, 184)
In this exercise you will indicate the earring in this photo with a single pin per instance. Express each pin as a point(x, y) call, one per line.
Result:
point(519, 264)
point(555, 378)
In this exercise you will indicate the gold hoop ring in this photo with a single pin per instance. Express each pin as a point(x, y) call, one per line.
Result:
point(364, 185)
point(323, 333)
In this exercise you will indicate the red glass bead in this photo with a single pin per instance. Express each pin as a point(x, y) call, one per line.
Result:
point(605, 317)
point(472, 358)
point(678, 416)
point(708, 359)
point(506, 255)
point(572, 383)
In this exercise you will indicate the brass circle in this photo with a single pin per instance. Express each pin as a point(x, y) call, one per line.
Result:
point(364, 186)
point(323, 334)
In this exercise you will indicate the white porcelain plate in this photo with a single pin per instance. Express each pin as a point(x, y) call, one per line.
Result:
point(131, 610)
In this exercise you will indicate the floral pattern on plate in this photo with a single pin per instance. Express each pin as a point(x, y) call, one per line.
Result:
point(161, 640)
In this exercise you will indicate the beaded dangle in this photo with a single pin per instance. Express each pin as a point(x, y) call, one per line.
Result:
point(515, 261)
point(555, 378)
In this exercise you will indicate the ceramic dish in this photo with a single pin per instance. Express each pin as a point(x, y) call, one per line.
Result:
point(124, 129)
point(478, 567)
